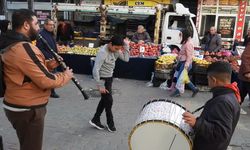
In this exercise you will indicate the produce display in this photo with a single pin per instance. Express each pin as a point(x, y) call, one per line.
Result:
point(144, 50)
point(219, 56)
point(80, 50)
point(202, 62)
point(165, 62)
point(223, 53)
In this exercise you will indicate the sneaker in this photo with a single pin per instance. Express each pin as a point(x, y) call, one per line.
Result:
point(111, 128)
point(54, 95)
point(195, 92)
point(176, 93)
point(243, 112)
point(248, 104)
point(96, 124)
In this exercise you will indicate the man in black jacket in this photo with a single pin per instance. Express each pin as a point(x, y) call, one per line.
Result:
point(214, 128)
point(48, 34)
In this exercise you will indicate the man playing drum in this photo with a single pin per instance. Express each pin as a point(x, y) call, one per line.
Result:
point(214, 128)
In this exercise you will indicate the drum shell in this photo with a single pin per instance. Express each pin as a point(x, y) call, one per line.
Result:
point(164, 114)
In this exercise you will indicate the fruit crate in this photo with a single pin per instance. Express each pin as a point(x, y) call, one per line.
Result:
point(200, 79)
point(162, 74)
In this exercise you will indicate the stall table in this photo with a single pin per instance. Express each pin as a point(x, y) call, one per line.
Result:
point(136, 68)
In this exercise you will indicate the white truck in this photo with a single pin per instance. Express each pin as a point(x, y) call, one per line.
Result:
point(170, 22)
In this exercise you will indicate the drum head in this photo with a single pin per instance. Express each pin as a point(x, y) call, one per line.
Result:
point(158, 135)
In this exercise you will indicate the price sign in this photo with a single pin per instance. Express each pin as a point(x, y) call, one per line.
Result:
point(142, 49)
point(91, 45)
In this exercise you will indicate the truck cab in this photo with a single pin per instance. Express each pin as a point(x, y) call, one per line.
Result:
point(172, 25)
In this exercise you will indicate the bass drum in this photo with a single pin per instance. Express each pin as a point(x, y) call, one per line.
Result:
point(160, 127)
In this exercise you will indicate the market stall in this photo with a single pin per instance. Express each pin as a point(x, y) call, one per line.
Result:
point(139, 67)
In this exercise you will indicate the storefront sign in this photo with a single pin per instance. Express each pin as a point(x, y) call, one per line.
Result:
point(149, 3)
point(209, 2)
point(42, 15)
point(229, 2)
point(241, 19)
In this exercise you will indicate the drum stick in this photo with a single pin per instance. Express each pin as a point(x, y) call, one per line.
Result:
point(198, 109)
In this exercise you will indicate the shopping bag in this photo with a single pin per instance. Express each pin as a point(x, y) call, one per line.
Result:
point(182, 80)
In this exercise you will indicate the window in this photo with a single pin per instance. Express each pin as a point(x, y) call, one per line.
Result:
point(207, 21)
point(247, 25)
point(180, 23)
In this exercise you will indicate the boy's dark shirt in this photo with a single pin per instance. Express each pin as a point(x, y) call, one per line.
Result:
point(216, 124)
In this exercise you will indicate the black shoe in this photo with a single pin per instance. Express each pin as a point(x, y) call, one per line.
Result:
point(96, 124)
point(195, 92)
point(175, 94)
point(111, 128)
point(54, 95)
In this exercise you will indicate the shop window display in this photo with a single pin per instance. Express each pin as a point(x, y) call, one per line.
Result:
point(247, 25)
point(226, 26)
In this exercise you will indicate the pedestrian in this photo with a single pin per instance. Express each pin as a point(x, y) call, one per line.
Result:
point(215, 126)
point(185, 57)
point(48, 34)
point(4, 26)
point(28, 80)
point(141, 35)
point(213, 41)
point(244, 75)
point(65, 32)
point(246, 38)
point(102, 73)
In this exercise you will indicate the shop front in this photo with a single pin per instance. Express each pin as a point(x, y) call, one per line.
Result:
point(230, 17)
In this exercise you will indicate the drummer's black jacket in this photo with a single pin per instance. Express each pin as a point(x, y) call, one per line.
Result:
point(215, 126)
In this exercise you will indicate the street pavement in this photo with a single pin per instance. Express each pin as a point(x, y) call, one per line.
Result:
point(67, 127)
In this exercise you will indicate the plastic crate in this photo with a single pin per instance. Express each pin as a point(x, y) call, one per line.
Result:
point(200, 69)
point(200, 79)
point(162, 74)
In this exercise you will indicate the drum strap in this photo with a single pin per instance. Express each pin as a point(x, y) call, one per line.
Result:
point(198, 109)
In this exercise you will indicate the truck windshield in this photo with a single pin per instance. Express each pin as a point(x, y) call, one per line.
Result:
point(180, 23)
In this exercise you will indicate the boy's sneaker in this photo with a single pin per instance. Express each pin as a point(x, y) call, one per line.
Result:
point(96, 124)
point(176, 93)
point(195, 92)
point(243, 112)
point(111, 128)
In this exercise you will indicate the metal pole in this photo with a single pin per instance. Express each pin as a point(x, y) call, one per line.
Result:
point(31, 5)
point(157, 23)
point(3, 7)
point(103, 21)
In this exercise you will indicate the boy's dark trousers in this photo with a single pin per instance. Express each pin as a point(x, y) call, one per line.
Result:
point(244, 90)
point(106, 103)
